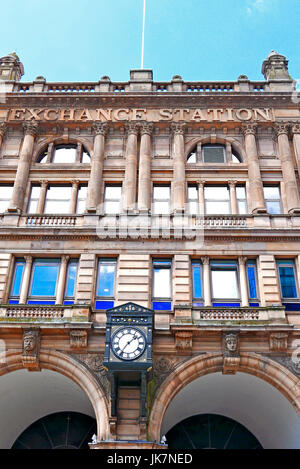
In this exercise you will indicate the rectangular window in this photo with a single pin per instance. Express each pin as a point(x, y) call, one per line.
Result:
point(6, 191)
point(34, 199)
point(106, 283)
point(81, 199)
point(65, 154)
point(217, 200)
point(252, 279)
point(224, 280)
point(241, 199)
point(197, 283)
point(162, 284)
point(112, 199)
point(17, 281)
point(213, 154)
point(272, 198)
point(193, 201)
point(161, 200)
point(58, 199)
point(287, 277)
point(71, 277)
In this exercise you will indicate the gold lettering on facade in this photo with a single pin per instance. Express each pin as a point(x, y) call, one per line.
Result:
point(137, 114)
point(240, 114)
point(85, 115)
point(104, 113)
point(121, 111)
point(67, 115)
point(165, 114)
point(49, 112)
point(198, 115)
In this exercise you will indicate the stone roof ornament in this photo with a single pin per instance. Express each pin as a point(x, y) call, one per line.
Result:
point(11, 69)
point(276, 72)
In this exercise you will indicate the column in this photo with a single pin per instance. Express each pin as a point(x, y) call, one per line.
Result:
point(296, 143)
point(42, 198)
point(287, 168)
point(298, 269)
point(144, 188)
point(21, 179)
point(26, 280)
point(201, 197)
point(243, 281)
point(74, 194)
point(228, 152)
point(3, 128)
point(94, 185)
point(62, 280)
point(233, 199)
point(257, 200)
point(78, 152)
point(130, 179)
point(179, 189)
point(198, 152)
point(206, 281)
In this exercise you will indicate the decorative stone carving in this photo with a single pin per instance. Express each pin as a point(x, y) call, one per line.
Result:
point(275, 67)
point(291, 363)
point(132, 128)
point(3, 129)
point(94, 363)
point(231, 358)
point(282, 128)
point(178, 128)
point(205, 260)
point(100, 128)
point(249, 129)
point(295, 128)
point(30, 128)
point(78, 339)
point(279, 341)
point(146, 128)
point(31, 349)
point(184, 342)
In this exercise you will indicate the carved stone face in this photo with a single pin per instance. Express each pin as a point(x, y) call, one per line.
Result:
point(29, 343)
point(231, 343)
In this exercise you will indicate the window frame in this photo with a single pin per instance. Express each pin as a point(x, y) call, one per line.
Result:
point(218, 200)
point(71, 261)
point(105, 200)
point(189, 201)
point(65, 185)
point(197, 263)
point(288, 263)
point(49, 153)
point(6, 184)
point(154, 201)
point(273, 200)
point(249, 263)
point(164, 266)
point(235, 267)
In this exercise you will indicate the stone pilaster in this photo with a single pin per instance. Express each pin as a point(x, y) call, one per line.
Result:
point(3, 129)
point(130, 179)
point(233, 199)
point(144, 186)
point(25, 281)
point(243, 281)
point(74, 195)
point(179, 189)
point(201, 198)
point(257, 200)
point(62, 280)
point(94, 185)
point(42, 198)
point(21, 179)
point(296, 142)
point(287, 167)
point(206, 281)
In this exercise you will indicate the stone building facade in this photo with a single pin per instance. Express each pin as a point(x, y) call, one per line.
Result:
point(182, 198)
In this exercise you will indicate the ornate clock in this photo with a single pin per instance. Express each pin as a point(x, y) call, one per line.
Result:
point(128, 343)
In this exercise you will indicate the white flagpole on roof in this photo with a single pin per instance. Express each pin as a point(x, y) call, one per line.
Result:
point(143, 35)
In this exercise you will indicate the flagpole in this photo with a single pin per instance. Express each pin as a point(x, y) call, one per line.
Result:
point(143, 35)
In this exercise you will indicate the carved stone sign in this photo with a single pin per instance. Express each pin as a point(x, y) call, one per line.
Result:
point(31, 349)
point(184, 342)
point(78, 339)
point(279, 341)
point(230, 347)
point(131, 114)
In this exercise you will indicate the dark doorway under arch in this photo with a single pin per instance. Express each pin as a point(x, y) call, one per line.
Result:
point(62, 430)
point(210, 431)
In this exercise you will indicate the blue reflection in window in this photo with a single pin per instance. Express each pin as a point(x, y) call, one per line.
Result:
point(71, 279)
point(106, 278)
point(287, 281)
point(103, 305)
point(162, 306)
point(197, 290)
point(251, 279)
point(17, 280)
point(44, 278)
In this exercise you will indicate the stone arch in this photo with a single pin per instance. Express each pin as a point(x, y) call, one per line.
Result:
point(42, 145)
point(75, 371)
point(236, 145)
point(262, 367)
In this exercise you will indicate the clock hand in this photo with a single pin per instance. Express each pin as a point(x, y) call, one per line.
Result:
point(129, 342)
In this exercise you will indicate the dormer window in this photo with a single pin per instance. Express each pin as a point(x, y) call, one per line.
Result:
point(65, 154)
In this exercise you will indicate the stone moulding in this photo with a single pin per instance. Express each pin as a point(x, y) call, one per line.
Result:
point(39, 313)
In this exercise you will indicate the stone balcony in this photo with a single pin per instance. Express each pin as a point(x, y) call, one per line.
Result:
point(42, 314)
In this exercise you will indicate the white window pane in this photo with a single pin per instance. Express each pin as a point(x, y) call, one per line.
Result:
point(273, 207)
point(271, 192)
point(216, 193)
point(86, 157)
point(161, 192)
point(64, 155)
point(3, 205)
point(82, 192)
point(240, 192)
point(162, 283)
point(57, 207)
point(59, 192)
point(192, 158)
point(193, 208)
point(35, 192)
point(192, 193)
point(113, 192)
point(6, 192)
point(224, 284)
point(80, 206)
point(32, 208)
point(242, 207)
point(112, 207)
point(162, 208)
point(217, 208)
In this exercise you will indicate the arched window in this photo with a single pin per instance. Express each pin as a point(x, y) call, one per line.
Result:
point(65, 153)
point(213, 153)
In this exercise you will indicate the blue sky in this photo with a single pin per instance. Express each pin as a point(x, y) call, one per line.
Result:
point(72, 40)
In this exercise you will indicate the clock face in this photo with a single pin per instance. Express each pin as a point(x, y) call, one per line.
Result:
point(128, 343)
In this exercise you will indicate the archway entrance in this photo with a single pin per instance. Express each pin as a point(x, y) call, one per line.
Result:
point(62, 430)
point(211, 431)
